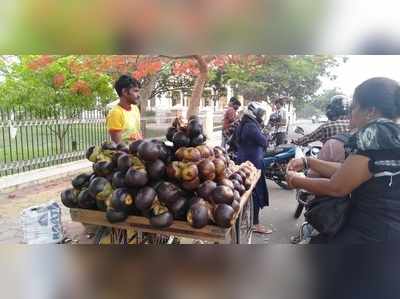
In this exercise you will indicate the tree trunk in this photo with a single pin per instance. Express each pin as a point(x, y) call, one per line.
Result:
point(60, 133)
point(201, 80)
point(145, 93)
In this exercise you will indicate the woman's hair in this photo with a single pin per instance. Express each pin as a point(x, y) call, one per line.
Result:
point(383, 94)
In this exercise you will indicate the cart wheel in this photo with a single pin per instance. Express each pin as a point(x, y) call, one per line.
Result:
point(245, 223)
point(101, 232)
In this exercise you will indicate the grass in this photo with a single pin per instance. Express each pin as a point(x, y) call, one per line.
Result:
point(39, 141)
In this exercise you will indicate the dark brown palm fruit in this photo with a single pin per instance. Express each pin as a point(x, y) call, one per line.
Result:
point(242, 174)
point(247, 184)
point(219, 166)
point(149, 151)
point(163, 220)
point(218, 152)
point(156, 170)
point(115, 157)
point(170, 133)
point(222, 195)
point(191, 185)
point(224, 215)
point(210, 208)
point(194, 128)
point(220, 149)
point(205, 190)
point(133, 147)
point(204, 151)
point(166, 153)
point(102, 168)
point(199, 140)
point(168, 193)
point(100, 188)
point(178, 208)
point(145, 198)
point(194, 200)
point(122, 200)
point(86, 201)
point(189, 172)
point(241, 189)
point(92, 177)
point(114, 216)
point(118, 180)
point(236, 196)
point(198, 216)
point(180, 139)
point(237, 177)
point(122, 147)
point(136, 178)
point(107, 145)
point(81, 181)
point(226, 182)
point(179, 153)
point(124, 162)
point(206, 169)
point(191, 154)
point(236, 185)
point(236, 206)
point(92, 153)
point(159, 215)
point(69, 198)
point(174, 170)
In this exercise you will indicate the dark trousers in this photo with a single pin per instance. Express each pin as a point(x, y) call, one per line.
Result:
point(256, 216)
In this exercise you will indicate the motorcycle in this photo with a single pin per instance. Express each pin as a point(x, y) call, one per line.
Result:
point(277, 159)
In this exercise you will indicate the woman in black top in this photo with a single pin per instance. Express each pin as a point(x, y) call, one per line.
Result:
point(371, 173)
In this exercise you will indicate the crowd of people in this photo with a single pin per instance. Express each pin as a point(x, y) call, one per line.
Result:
point(359, 160)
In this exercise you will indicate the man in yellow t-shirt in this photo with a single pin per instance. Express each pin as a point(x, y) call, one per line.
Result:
point(123, 121)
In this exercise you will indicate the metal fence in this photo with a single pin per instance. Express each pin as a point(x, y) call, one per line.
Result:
point(35, 139)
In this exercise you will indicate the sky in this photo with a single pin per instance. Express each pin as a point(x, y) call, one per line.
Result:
point(359, 68)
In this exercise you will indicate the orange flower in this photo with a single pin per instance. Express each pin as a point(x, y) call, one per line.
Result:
point(81, 87)
point(58, 80)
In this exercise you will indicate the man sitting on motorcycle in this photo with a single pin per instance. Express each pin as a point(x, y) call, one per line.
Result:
point(338, 122)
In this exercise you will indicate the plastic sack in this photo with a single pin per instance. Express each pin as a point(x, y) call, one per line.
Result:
point(42, 224)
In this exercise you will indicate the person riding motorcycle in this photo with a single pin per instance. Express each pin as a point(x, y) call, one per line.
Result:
point(337, 112)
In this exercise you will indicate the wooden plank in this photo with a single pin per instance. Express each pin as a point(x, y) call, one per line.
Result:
point(179, 228)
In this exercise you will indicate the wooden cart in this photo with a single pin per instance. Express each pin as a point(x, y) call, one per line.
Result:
point(240, 233)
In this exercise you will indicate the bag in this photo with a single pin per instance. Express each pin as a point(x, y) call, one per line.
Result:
point(328, 215)
point(42, 224)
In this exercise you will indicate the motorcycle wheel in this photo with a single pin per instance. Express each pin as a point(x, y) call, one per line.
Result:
point(282, 184)
point(299, 211)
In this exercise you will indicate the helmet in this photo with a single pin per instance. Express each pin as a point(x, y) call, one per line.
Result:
point(338, 106)
point(256, 110)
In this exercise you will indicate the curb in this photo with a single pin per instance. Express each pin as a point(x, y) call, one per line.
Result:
point(44, 175)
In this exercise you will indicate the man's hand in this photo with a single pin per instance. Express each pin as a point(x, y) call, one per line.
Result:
point(296, 165)
point(290, 175)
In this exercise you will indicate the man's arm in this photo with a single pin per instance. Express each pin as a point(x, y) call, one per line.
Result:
point(116, 136)
point(312, 137)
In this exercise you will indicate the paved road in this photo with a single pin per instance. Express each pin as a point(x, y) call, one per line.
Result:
point(279, 215)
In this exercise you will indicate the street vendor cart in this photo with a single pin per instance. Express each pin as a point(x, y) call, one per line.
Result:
point(240, 233)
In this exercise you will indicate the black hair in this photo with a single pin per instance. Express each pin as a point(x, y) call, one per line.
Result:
point(235, 101)
point(125, 81)
point(383, 94)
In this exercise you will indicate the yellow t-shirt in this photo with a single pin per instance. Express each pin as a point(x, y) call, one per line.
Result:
point(127, 121)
